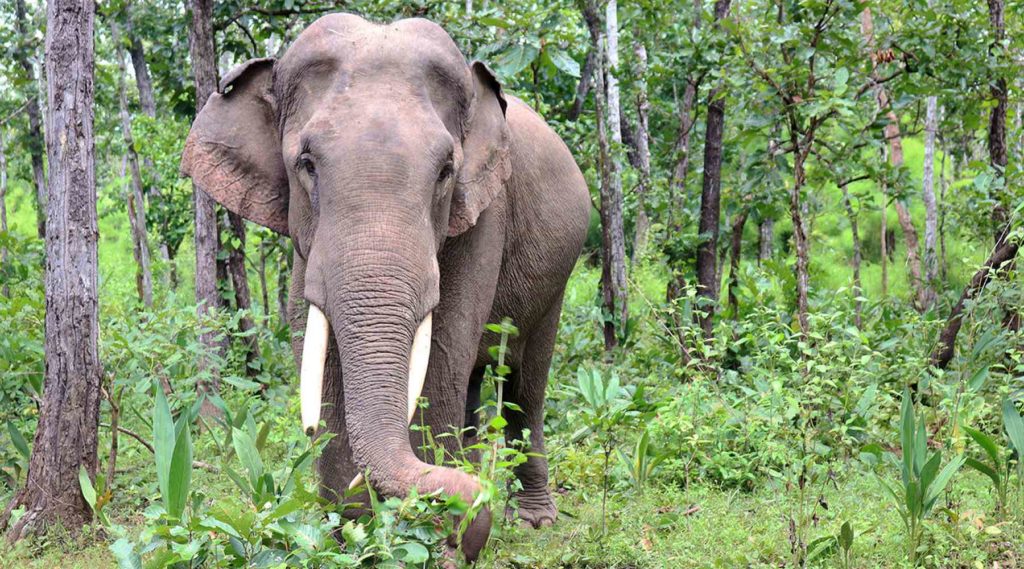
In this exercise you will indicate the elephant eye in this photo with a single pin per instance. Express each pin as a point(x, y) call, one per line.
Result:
point(306, 161)
point(446, 172)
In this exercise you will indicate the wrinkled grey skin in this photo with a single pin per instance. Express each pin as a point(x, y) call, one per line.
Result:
point(408, 183)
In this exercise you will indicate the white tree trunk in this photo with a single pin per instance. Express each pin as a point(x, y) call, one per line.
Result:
point(931, 221)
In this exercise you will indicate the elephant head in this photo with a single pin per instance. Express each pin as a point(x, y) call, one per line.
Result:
point(369, 145)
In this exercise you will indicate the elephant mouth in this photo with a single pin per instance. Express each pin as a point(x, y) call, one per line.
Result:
point(314, 356)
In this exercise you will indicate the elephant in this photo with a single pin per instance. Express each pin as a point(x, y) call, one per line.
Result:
point(423, 202)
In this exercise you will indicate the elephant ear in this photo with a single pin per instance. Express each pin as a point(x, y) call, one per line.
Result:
point(485, 164)
point(233, 151)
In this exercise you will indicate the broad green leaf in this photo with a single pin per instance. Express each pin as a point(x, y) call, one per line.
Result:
point(515, 59)
point(986, 443)
point(180, 473)
point(412, 552)
point(563, 61)
point(943, 479)
point(1014, 425)
point(125, 554)
point(245, 448)
point(983, 468)
point(163, 440)
point(88, 491)
point(846, 536)
point(907, 435)
point(19, 441)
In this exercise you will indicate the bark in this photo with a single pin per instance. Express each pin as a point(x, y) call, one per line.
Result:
point(884, 239)
point(735, 249)
point(997, 151)
point(710, 203)
point(264, 294)
point(136, 202)
point(613, 246)
point(66, 435)
point(643, 151)
point(943, 186)
point(240, 284)
point(36, 143)
point(931, 220)
point(284, 268)
point(892, 134)
point(204, 68)
point(142, 78)
point(583, 87)
point(858, 289)
point(687, 119)
point(1001, 257)
point(800, 239)
point(766, 237)
point(6, 291)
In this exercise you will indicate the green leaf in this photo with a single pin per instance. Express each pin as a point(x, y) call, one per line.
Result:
point(986, 443)
point(412, 552)
point(163, 441)
point(846, 536)
point(19, 441)
point(942, 480)
point(907, 435)
point(88, 492)
point(125, 554)
point(978, 379)
point(563, 61)
point(515, 59)
point(180, 473)
point(1014, 425)
point(984, 469)
point(245, 447)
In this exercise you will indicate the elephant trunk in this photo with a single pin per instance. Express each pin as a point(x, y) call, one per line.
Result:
point(378, 306)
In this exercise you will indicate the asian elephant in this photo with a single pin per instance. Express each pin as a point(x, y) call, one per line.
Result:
point(422, 203)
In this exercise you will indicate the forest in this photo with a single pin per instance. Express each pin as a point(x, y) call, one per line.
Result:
point(792, 336)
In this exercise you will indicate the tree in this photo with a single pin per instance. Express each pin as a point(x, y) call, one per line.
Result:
point(643, 150)
point(613, 246)
point(136, 202)
point(35, 134)
point(931, 219)
point(204, 69)
point(66, 436)
point(711, 201)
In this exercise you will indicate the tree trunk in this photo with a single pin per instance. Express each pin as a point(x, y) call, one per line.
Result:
point(1000, 258)
point(583, 87)
point(284, 268)
point(204, 68)
point(240, 284)
point(931, 221)
point(892, 135)
point(858, 289)
point(264, 293)
point(943, 185)
point(766, 237)
point(884, 239)
point(687, 119)
point(36, 144)
point(136, 202)
point(800, 239)
point(613, 248)
point(735, 251)
point(710, 203)
point(6, 291)
point(643, 151)
point(142, 79)
point(66, 436)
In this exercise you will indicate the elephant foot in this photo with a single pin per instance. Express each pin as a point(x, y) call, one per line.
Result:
point(535, 509)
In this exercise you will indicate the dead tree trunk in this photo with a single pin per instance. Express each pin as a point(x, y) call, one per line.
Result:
point(36, 144)
point(204, 68)
point(66, 436)
point(136, 201)
point(643, 151)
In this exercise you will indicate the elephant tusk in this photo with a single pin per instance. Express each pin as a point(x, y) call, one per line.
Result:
point(419, 357)
point(311, 376)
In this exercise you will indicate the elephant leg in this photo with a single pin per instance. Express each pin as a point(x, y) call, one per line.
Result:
point(526, 388)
